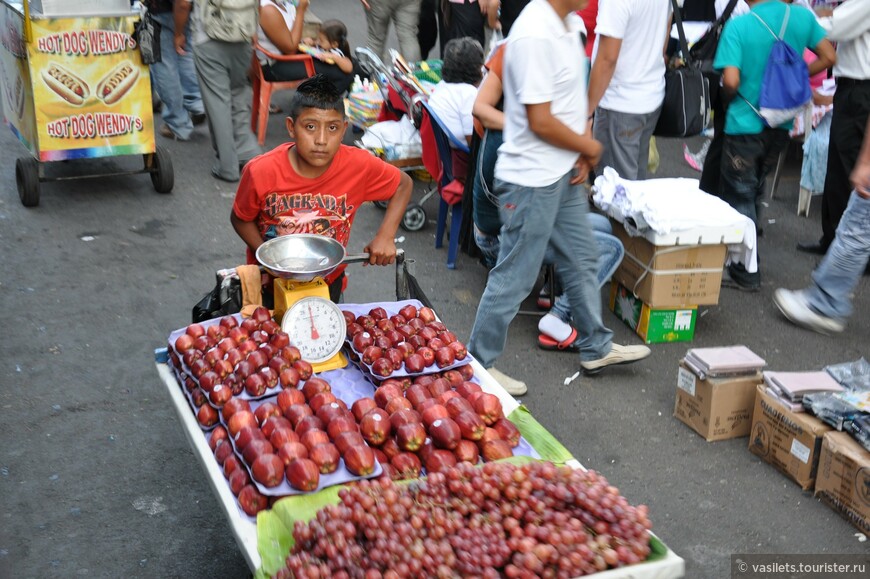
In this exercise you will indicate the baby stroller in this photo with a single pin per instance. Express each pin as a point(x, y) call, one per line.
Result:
point(403, 94)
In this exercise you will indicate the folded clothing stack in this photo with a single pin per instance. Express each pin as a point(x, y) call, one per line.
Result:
point(723, 361)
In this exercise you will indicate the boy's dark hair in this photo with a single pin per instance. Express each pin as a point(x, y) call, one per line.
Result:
point(336, 31)
point(463, 59)
point(317, 92)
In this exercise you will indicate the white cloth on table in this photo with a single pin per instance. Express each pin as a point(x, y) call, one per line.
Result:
point(668, 206)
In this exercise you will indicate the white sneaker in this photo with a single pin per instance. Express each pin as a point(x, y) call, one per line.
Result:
point(795, 307)
point(511, 386)
point(617, 355)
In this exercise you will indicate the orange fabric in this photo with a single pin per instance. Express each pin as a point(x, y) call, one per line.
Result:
point(281, 202)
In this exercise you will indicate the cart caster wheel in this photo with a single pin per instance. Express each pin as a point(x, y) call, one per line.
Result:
point(27, 179)
point(381, 204)
point(414, 218)
point(162, 176)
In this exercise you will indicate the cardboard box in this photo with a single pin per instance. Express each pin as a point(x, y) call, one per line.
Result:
point(716, 408)
point(843, 479)
point(670, 276)
point(654, 325)
point(790, 441)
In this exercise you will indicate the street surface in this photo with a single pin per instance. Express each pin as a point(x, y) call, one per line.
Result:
point(98, 480)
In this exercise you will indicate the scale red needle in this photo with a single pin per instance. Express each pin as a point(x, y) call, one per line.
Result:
point(314, 334)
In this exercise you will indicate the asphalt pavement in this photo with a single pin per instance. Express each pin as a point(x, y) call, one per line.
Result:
point(98, 480)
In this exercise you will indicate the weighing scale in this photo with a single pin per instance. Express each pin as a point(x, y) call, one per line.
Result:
point(314, 323)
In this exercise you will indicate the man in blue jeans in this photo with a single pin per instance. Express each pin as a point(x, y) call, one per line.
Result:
point(826, 304)
point(545, 156)
point(175, 78)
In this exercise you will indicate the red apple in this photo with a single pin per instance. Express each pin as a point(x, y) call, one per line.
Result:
point(361, 407)
point(247, 347)
point(257, 359)
point(313, 437)
point(459, 350)
point(229, 322)
point(349, 317)
point(268, 470)
point(438, 387)
point(382, 342)
point(271, 327)
point(282, 435)
point(241, 419)
point(207, 416)
point(488, 407)
point(359, 460)
point(195, 331)
point(238, 335)
point(385, 325)
point(375, 426)
point(199, 367)
point(314, 386)
point(212, 356)
point(410, 436)
point(296, 412)
point(444, 433)
point(216, 332)
point(255, 385)
point(496, 450)
point(326, 457)
point(289, 378)
point(274, 423)
point(270, 377)
point(444, 356)
point(440, 460)
point(303, 474)
point(390, 448)
point(329, 411)
point(428, 355)
point(398, 403)
point(291, 354)
point(408, 312)
point(341, 424)
point(404, 416)
point(197, 396)
point(407, 464)
point(435, 344)
point(261, 314)
point(470, 425)
point(251, 501)
point(256, 449)
point(219, 395)
point(398, 320)
point(307, 423)
point(406, 349)
point(183, 343)
point(290, 450)
point(304, 368)
point(208, 380)
point(223, 368)
point(371, 354)
point(223, 451)
point(382, 367)
point(238, 480)
point(416, 341)
point(433, 413)
point(447, 396)
point(190, 356)
point(466, 371)
point(406, 331)
point(417, 324)
point(231, 464)
point(247, 435)
point(378, 313)
point(426, 314)
point(218, 434)
point(354, 329)
point(347, 439)
point(321, 398)
point(508, 431)
point(466, 451)
point(289, 397)
point(417, 394)
point(260, 336)
point(465, 389)
point(362, 341)
point(249, 325)
point(457, 405)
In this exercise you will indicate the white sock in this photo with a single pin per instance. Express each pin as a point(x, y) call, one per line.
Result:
point(552, 326)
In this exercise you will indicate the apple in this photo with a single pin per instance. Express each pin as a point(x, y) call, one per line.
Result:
point(270, 377)
point(229, 322)
point(456, 405)
point(440, 460)
point(395, 356)
point(216, 332)
point(198, 397)
point(371, 354)
point(257, 359)
point(378, 313)
point(266, 410)
point(385, 325)
point(390, 448)
point(296, 412)
point(304, 368)
point(488, 407)
point(247, 435)
point(278, 364)
point(410, 436)
point(406, 349)
point(329, 411)
point(223, 450)
point(256, 449)
point(466, 451)
point(291, 354)
point(207, 416)
point(380, 456)
point(407, 464)
point(339, 424)
point(208, 380)
point(321, 398)
point(183, 343)
point(416, 342)
point(417, 394)
point(251, 501)
point(459, 350)
point(398, 320)
point(255, 385)
point(241, 419)
point(466, 371)
point(290, 450)
point(508, 431)
point(438, 387)
point(217, 435)
point(243, 369)
point(326, 457)
point(426, 404)
point(444, 433)
point(362, 341)
point(307, 423)
point(288, 397)
point(444, 356)
point(394, 337)
point(247, 347)
point(362, 406)
point(204, 343)
point(260, 336)
point(382, 367)
point(195, 331)
point(271, 327)
point(199, 367)
point(427, 354)
point(408, 312)
point(406, 331)
point(488, 434)
point(223, 368)
point(235, 385)
point(303, 474)
point(426, 449)
point(268, 470)
point(238, 335)
point(435, 344)
point(382, 342)
point(398, 403)
point(375, 426)
point(347, 439)
point(190, 356)
point(354, 329)
point(496, 450)
point(288, 378)
point(231, 464)
point(261, 314)
point(426, 314)
point(417, 324)
point(190, 384)
point(238, 480)
point(403, 416)
point(433, 413)
point(314, 386)
point(349, 317)
point(313, 437)
point(470, 425)
point(359, 460)
point(250, 325)
point(219, 395)
point(274, 423)
point(466, 388)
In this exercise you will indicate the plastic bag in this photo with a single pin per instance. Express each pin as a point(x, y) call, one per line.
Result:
point(224, 299)
point(853, 376)
point(146, 33)
point(828, 408)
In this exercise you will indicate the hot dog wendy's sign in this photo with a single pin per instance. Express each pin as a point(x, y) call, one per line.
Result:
point(92, 94)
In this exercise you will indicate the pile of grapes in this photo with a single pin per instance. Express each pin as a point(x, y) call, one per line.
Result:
point(498, 520)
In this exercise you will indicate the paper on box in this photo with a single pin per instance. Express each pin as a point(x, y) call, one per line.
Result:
point(654, 325)
point(790, 441)
point(716, 408)
point(670, 276)
point(843, 479)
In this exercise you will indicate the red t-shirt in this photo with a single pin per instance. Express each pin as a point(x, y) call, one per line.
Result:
point(282, 202)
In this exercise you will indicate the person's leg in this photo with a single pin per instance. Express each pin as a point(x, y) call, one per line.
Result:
point(526, 213)
point(342, 80)
point(187, 76)
point(620, 133)
point(214, 80)
point(713, 161)
point(406, 17)
point(377, 25)
point(246, 147)
point(838, 274)
point(648, 122)
point(427, 27)
point(851, 108)
point(166, 78)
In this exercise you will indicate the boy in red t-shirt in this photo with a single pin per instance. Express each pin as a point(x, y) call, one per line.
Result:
point(316, 184)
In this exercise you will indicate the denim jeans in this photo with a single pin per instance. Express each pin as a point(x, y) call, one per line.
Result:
point(625, 137)
point(175, 78)
point(610, 254)
point(841, 269)
point(536, 219)
point(746, 162)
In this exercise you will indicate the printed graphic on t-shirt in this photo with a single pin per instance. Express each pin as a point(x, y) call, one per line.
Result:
point(318, 213)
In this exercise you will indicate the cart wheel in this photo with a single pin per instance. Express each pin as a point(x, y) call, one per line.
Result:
point(163, 176)
point(27, 179)
point(414, 218)
point(381, 204)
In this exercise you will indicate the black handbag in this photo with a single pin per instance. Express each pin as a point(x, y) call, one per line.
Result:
point(146, 33)
point(704, 50)
point(686, 107)
point(224, 299)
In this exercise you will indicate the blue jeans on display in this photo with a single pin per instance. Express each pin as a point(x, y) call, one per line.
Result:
point(610, 254)
point(536, 219)
point(835, 278)
point(175, 78)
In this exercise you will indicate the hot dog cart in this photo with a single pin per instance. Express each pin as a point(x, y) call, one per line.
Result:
point(75, 87)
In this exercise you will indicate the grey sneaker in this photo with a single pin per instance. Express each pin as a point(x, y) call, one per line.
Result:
point(795, 307)
point(617, 355)
point(511, 386)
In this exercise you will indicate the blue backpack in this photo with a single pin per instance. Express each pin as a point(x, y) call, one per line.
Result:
point(785, 86)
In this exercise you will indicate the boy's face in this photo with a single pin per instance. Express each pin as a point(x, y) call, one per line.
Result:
point(318, 134)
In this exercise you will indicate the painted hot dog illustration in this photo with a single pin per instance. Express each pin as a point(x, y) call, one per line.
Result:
point(117, 82)
point(65, 84)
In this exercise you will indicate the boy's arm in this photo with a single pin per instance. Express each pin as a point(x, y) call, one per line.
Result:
point(181, 15)
point(382, 249)
point(860, 176)
point(553, 131)
point(827, 57)
point(247, 230)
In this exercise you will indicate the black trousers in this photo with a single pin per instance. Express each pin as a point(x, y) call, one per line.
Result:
point(851, 109)
point(284, 71)
point(427, 27)
point(710, 176)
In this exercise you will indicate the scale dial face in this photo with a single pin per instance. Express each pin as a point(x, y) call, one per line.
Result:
point(316, 326)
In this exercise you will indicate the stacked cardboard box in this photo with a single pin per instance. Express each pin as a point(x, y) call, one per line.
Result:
point(843, 479)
